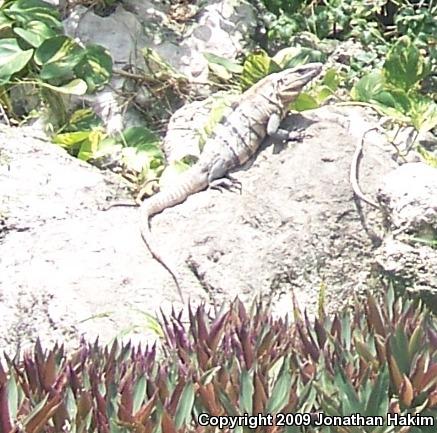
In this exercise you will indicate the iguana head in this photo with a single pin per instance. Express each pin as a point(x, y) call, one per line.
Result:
point(291, 81)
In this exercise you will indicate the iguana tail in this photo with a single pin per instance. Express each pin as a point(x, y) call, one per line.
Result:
point(192, 181)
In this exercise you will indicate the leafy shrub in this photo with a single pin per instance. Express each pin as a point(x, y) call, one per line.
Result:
point(395, 90)
point(136, 149)
point(33, 49)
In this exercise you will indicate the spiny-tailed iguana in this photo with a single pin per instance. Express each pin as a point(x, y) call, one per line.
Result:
point(236, 138)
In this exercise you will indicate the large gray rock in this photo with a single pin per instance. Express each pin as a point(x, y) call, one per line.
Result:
point(223, 27)
point(67, 268)
point(408, 196)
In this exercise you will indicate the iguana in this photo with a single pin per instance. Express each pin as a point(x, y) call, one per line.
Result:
point(236, 138)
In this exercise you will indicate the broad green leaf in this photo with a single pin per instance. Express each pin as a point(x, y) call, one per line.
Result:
point(428, 157)
point(83, 119)
point(294, 56)
point(94, 67)
point(405, 66)
point(393, 98)
point(368, 87)
point(246, 392)
point(220, 72)
point(185, 405)
point(70, 140)
point(304, 101)
point(5, 25)
point(331, 79)
point(58, 73)
point(416, 341)
point(74, 87)
point(322, 93)
point(12, 58)
point(89, 147)
point(141, 138)
point(59, 49)
point(228, 65)
point(24, 11)
point(285, 56)
point(256, 66)
point(423, 113)
point(35, 33)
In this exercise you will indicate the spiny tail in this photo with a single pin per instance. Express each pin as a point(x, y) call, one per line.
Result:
point(192, 181)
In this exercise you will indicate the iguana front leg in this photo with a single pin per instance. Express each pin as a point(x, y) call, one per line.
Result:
point(281, 134)
point(273, 129)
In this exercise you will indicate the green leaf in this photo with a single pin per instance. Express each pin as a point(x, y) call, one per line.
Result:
point(246, 392)
point(5, 25)
point(83, 119)
point(57, 49)
point(428, 157)
point(58, 57)
point(209, 375)
point(423, 113)
point(350, 401)
point(183, 411)
point(256, 66)
point(304, 101)
point(24, 11)
point(35, 33)
point(331, 79)
point(12, 398)
point(405, 66)
point(399, 348)
point(229, 65)
point(94, 67)
point(70, 404)
point(74, 87)
point(70, 140)
point(141, 137)
point(368, 87)
point(378, 401)
point(12, 58)
point(279, 395)
point(90, 146)
point(394, 98)
point(291, 57)
point(139, 393)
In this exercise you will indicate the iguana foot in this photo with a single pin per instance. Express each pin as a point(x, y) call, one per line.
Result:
point(229, 183)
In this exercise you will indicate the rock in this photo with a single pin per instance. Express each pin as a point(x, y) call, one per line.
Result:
point(296, 226)
point(408, 196)
point(222, 27)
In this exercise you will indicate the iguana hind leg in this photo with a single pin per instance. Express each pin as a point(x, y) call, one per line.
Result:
point(228, 182)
